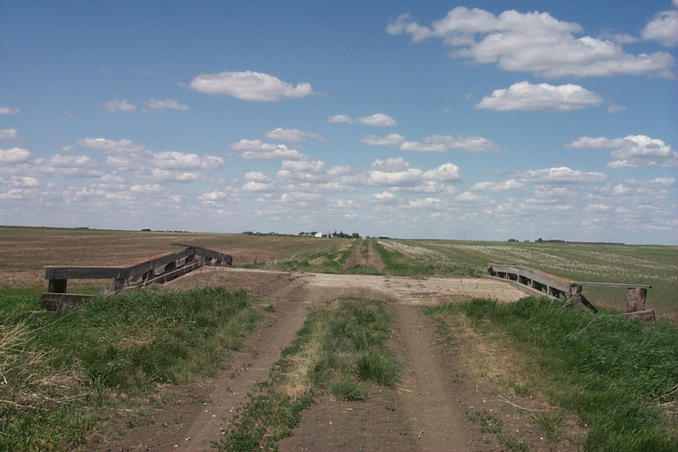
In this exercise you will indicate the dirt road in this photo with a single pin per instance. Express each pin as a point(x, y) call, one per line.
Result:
point(425, 412)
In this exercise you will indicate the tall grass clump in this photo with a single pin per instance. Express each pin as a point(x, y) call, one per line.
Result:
point(341, 350)
point(619, 376)
point(60, 372)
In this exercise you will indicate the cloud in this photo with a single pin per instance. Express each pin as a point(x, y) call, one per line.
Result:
point(123, 146)
point(9, 111)
point(390, 164)
point(410, 176)
point(162, 175)
point(531, 42)
point(164, 104)
point(425, 203)
point(397, 172)
point(524, 96)
point(210, 197)
point(663, 28)
point(65, 166)
point(248, 85)
point(392, 139)
point(14, 155)
point(292, 135)
point(146, 188)
point(6, 134)
point(338, 119)
point(467, 196)
point(444, 143)
point(385, 195)
point(257, 187)
point(561, 175)
point(614, 108)
point(179, 160)
point(302, 170)
point(507, 185)
point(632, 151)
point(256, 176)
point(122, 106)
point(24, 181)
point(447, 172)
point(377, 120)
point(257, 150)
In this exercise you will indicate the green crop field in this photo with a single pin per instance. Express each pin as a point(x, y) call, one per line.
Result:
point(638, 264)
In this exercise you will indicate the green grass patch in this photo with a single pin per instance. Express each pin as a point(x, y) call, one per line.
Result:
point(613, 373)
point(341, 350)
point(61, 371)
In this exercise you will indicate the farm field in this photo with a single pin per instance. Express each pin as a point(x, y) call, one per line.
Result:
point(324, 344)
point(27, 250)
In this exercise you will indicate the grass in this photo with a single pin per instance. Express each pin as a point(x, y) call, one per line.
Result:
point(341, 350)
point(618, 376)
point(61, 372)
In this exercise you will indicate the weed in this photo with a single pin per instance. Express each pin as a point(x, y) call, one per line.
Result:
point(348, 390)
point(489, 423)
point(550, 424)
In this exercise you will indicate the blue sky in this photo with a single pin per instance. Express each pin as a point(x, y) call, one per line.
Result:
point(477, 120)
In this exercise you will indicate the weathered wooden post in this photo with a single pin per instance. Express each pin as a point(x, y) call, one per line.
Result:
point(635, 299)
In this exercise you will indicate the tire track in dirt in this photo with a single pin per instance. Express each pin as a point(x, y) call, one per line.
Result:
point(425, 413)
point(429, 394)
point(223, 394)
point(373, 257)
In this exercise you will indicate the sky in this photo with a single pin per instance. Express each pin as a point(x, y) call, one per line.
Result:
point(480, 120)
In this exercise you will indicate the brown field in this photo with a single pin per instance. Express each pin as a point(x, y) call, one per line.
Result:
point(25, 251)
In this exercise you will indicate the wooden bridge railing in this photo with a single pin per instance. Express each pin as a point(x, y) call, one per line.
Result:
point(155, 269)
point(566, 289)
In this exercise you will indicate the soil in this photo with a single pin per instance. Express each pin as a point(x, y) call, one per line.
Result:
point(428, 410)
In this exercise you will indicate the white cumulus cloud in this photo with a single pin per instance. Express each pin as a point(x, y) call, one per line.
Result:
point(14, 155)
point(531, 42)
point(257, 150)
point(447, 172)
point(390, 164)
point(663, 28)
point(338, 119)
point(524, 96)
point(444, 143)
point(249, 85)
point(122, 106)
point(560, 175)
point(632, 151)
point(377, 120)
point(291, 135)
point(164, 104)
point(507, 185)
point(392, 139)
point(180, 160)
point(123, 146)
